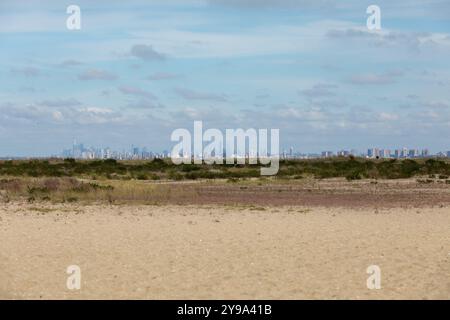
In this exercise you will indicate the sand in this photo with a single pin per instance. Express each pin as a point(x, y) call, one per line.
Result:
point(223, 252)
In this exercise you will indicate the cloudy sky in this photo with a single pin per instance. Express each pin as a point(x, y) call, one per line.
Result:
point(137, 70)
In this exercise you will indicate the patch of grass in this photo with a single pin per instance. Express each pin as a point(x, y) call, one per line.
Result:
point(42, 209)
point(425, 181)
point(252, 208)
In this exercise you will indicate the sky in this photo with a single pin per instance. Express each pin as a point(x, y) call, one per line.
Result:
point(138, 70)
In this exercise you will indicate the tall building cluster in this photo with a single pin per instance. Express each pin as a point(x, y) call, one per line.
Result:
point(372, 153)
point(78, 151)
point(376, 153)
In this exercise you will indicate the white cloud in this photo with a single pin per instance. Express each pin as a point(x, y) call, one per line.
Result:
point(134, 91)
point(97, 74)
point(385, 116)
point(319, 90)
point(60, 102)
point(146, 52)
point(195, 95)
point(375, 79)
point(28, 71)
point(162, 76)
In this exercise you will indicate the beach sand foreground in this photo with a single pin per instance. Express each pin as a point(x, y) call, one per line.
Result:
point(223, 252)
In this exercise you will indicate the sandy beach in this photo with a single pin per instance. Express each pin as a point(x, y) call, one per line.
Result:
point(225, 150)
point(223, 251)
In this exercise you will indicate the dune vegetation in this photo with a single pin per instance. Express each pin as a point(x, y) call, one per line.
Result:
point(69, 180)
point(157, 169)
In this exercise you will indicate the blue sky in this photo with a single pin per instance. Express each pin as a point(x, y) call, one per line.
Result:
point(137, 70)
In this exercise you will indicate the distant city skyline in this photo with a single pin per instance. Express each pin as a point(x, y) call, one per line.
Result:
point(80, 151)
point(130, 152)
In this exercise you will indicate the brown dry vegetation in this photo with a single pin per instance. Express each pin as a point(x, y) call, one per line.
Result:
point(252, 192)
